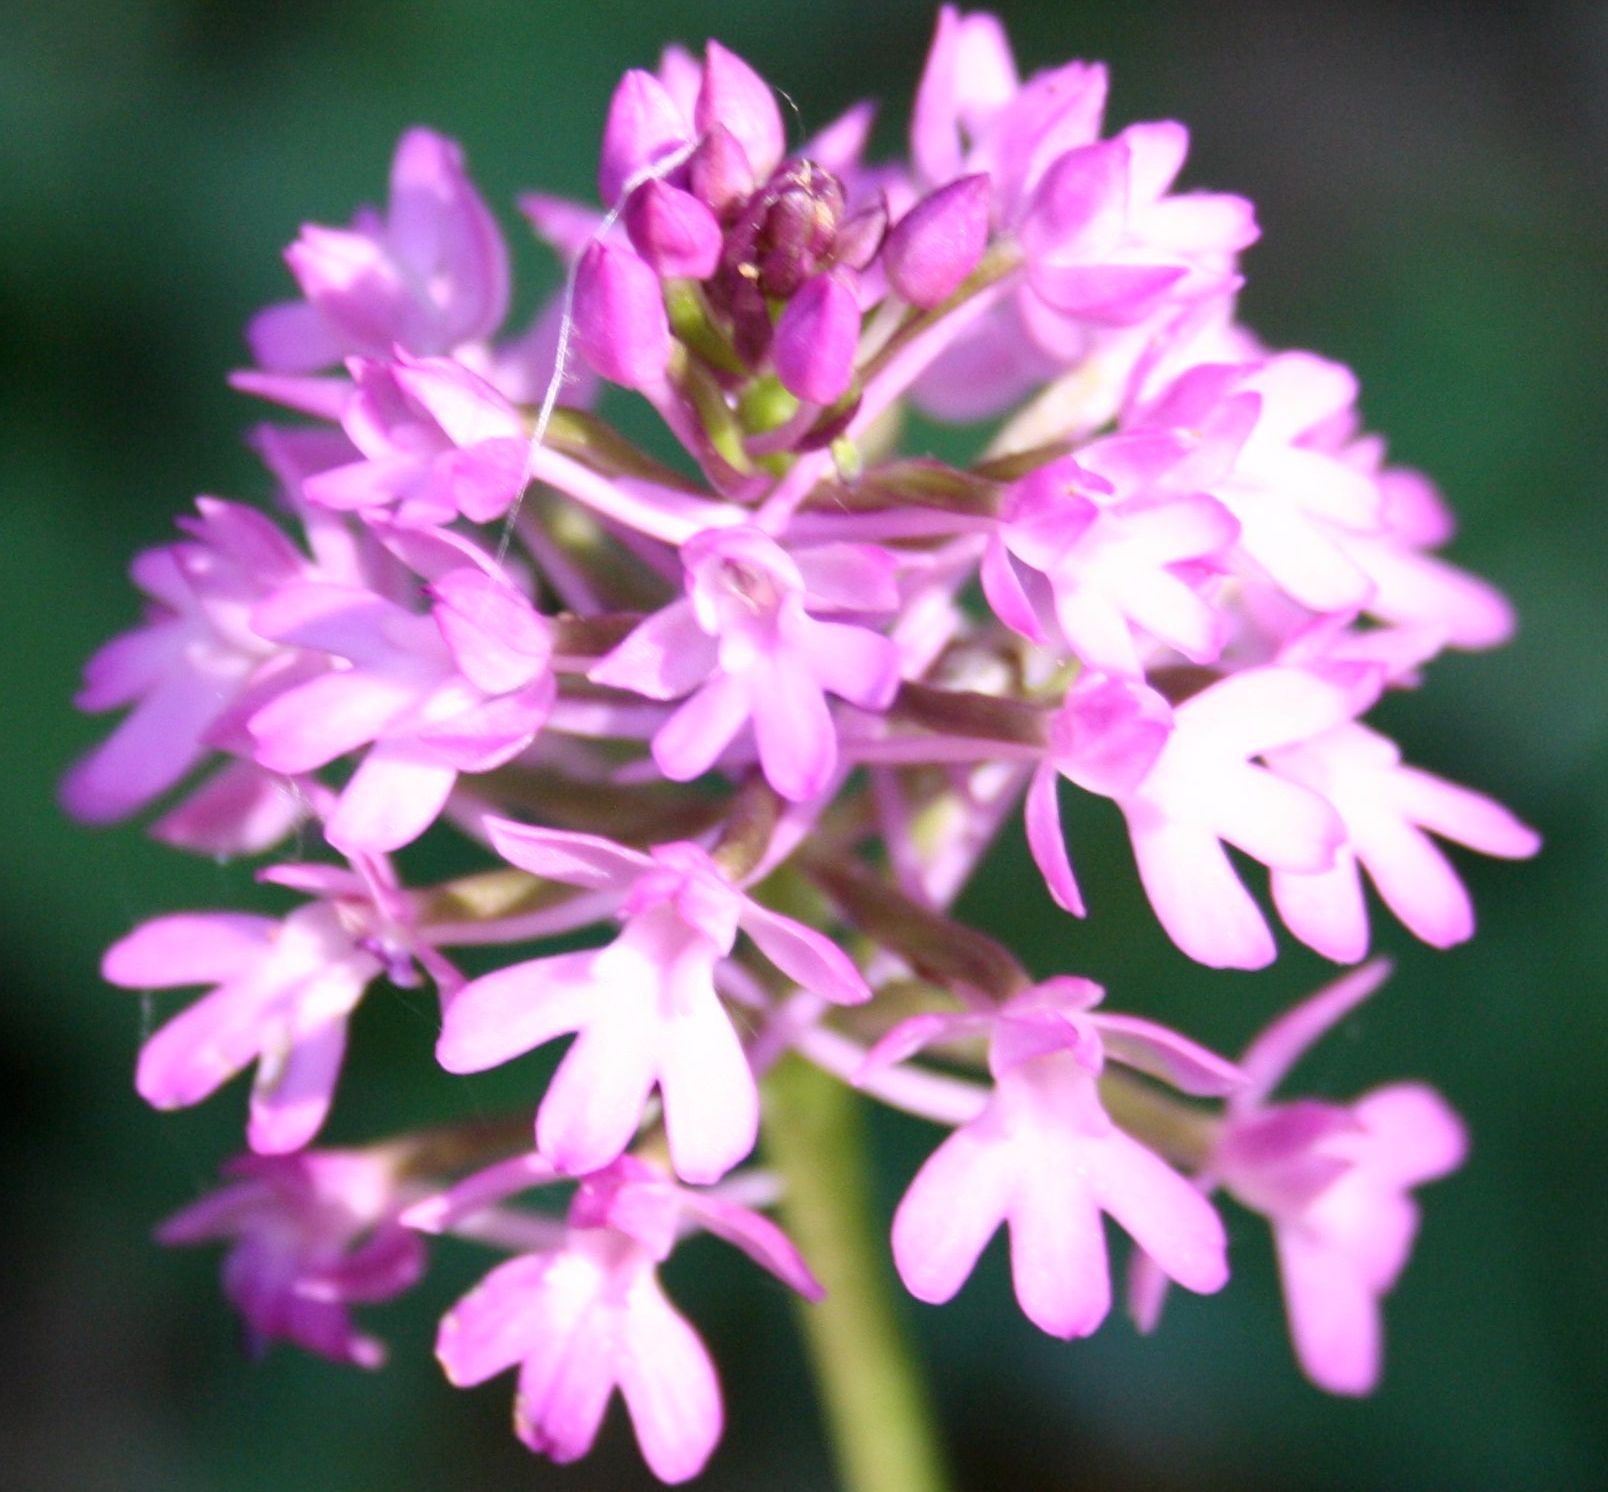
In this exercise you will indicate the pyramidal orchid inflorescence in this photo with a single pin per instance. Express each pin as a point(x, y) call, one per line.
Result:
point(746, 714)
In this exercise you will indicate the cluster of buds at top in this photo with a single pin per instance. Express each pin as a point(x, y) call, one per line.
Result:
point(737, 702)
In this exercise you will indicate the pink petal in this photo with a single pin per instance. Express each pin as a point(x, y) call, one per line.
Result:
point(1282, 1044)
point(392, 798)
point(854, 663)
point(711, 1103)
point(1165, 1214)
point(500, 1320)
point(1326, 910)
point(1419, 1136)
point(953, 1207)
point(1334, 1317)
point(1047, 842)
point(759, 1238)
point(1164, 1054)
point(691, 740)
point(1274, 821)
point(735, 96)
point(1058, 1254)
point(291, 1098)
point(327, 717)
point(669, 1386)
point(1198, 897)
point(586, 860)
point(568, 1374)
point(202, 1047)
point(501, 1015)
point(189, 948)
point(804, 955)
point(668, 656)
point(594, 1103)
point(292, 337)
point(794, 733)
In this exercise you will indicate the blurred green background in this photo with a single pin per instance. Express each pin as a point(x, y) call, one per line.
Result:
point(1431, 184)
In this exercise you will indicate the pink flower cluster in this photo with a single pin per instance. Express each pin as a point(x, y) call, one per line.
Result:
point(673, 694)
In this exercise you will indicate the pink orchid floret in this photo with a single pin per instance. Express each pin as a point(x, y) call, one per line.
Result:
point(437, 442)
point(1387, 808)
point(281, 997)
point(1044, 1158)
point(744, 645)
point(1108, 569)
point(1334, 1182)
point(589, 1315)
point(429, 275)
point(1188, 784)
point(644, 1007)
point(1105, 247)
point(313, 1234)
point(463, 689)
point(195, 659)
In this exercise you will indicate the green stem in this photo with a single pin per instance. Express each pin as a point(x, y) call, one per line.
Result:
point(879, 1417)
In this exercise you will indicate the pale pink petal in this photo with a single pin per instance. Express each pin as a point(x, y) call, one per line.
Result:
point(1326, 910)
point(953, 1207)
point(711, 1103)
point(1274, 821)
point(1047, 842)
point(1419, 1137)
point(586, 860)
point(188, 948)
point(291, 1096)
point(240, 810)
point(292, 337)
point(1416, 881)
point(594, 1103)
point(669, 1386)
point(202, 1047)
point(666, 657)
point(854, 663)
point(1163, 1213)
point(1005, 593)
point(1282, 1044)
point(1164, 1054)
point(1462, 815)
point(499, 1321)
point(1264, 708)
point(1334, 1316)
point(804, 955)
point(327, 717)
point(501, 1015)
point(794, 732)
point(758, 1237)
point(149, 751)
point(392, 798)
point(566, 1380)
point(1058, 1253)
point(1198, 897)
point(691, 740)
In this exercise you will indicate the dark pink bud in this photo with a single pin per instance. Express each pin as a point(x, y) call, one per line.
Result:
point(816, 338)
point(620, 323)
point(673, 231)
point(734, 95)
point(719, 171)
point(643, 125)
point(935, 245)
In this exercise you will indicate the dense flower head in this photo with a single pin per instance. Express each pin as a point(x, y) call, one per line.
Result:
point(716, 733)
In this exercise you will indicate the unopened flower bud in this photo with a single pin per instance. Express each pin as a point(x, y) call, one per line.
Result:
point(816, 338)
point(620, 321)
point(673, 231)
point(735, 96)
point(643, 125)
point(719, 172)
point(935, 245)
